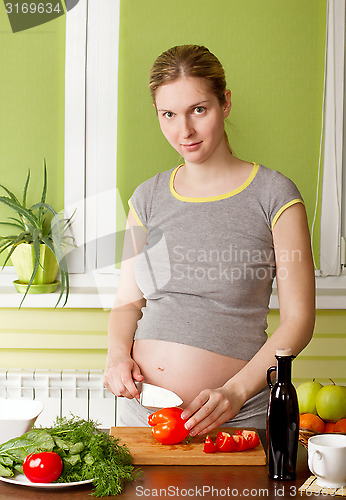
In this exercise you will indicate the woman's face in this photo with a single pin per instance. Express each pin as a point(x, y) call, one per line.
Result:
point(191, 118)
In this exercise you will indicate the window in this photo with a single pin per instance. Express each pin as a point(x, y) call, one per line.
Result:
point(92, 38)
point(332, 251)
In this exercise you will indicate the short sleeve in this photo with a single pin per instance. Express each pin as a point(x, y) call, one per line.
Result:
point(284, 193)
point(140, 202)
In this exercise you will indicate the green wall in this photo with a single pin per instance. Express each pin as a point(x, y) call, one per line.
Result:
point(273, 56)
point(32, 110)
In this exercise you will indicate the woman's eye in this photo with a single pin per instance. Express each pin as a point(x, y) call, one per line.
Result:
point(168, 114)
point(199, 110)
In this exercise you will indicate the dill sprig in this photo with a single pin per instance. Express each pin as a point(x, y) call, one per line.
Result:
point(103, 458)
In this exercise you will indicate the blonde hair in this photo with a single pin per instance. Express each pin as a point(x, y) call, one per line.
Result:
point(189, 61)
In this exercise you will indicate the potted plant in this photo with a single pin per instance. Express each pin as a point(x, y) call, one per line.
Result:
point(37, 249)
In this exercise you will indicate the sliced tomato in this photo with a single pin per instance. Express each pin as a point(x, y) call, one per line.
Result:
point(240, 442)
point(252, 438)
point(224, 442)
point(209, 446)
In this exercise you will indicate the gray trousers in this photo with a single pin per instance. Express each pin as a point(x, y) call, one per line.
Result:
point(130, 413)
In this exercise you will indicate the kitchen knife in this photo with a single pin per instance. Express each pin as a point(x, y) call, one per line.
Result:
point(153, 396)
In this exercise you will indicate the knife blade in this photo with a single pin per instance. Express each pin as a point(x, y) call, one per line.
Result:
point(153, 396)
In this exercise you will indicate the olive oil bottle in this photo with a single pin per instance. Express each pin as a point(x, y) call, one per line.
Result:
point(282, 419)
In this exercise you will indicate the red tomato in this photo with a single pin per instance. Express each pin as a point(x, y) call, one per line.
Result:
point(224, 442)
point(168, 426)
point(43, 467)
point(209, 446)
point(240, 442)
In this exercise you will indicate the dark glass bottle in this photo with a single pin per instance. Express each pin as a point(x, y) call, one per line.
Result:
point(282, 419)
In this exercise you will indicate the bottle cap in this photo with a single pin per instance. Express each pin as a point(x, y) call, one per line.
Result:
point(283, 352)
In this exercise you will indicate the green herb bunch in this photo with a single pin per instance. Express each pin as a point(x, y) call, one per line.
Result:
point(87, 453)
point(37, 224)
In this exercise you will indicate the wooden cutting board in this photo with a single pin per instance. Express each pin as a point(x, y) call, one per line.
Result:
point(146, 450)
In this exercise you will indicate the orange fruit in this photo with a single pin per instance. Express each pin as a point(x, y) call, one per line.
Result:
point(340, 425)
point(311, 422)
point(329, 427)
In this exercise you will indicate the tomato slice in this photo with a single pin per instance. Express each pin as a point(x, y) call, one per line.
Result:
point(43, 467)
point(224, 442)
point(209, 446)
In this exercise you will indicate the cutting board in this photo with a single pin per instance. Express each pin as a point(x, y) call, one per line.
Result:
point(146, 450)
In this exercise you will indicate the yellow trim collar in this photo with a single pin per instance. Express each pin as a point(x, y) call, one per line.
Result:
point(211, 198)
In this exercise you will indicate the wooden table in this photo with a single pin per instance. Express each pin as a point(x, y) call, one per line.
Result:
point(186, 482)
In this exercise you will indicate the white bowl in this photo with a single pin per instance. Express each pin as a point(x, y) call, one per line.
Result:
point(17, 416)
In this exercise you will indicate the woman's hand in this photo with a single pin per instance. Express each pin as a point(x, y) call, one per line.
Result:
point(212, 408)
point(119, 377)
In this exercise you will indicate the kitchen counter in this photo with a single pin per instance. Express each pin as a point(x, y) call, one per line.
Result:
point(186, 482)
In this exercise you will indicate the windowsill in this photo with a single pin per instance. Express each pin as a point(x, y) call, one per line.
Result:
point(89, 290)
point(98, 290)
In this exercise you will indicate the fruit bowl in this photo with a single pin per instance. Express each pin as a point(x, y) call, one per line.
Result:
point(304, 435)
point(322, 409)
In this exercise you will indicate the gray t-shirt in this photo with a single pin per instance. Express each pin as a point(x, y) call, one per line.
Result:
point(208, 266)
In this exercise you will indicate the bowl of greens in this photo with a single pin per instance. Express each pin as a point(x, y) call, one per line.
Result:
point(17, 416)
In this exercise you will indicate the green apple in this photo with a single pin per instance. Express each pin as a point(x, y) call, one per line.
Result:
point(331, 402)
point(306, 393)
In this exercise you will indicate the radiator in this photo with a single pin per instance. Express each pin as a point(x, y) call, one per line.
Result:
point(63, 392)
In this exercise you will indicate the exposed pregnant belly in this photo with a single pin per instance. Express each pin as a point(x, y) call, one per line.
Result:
point(184, 369)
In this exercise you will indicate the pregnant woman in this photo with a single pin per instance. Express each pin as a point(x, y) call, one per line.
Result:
point(204, 243)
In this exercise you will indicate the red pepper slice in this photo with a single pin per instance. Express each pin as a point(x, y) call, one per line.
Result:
point(240, 442)
point(168, 426)
point(252, 438)
point(224, 442)
point(209, 446)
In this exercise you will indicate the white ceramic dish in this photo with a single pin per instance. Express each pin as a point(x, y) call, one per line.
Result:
point(22, 480)
point(17, 416)
point(327, 460)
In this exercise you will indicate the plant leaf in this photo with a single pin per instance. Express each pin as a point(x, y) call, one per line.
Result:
point(44, 190)
point(17, 207)
point(48, 207)
point(18, 221)
point(26, 189)
point(9, 255)
point(11, 195)
point(63, 272)
point(36, 245)
point(10, 224)
point(4, 471)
